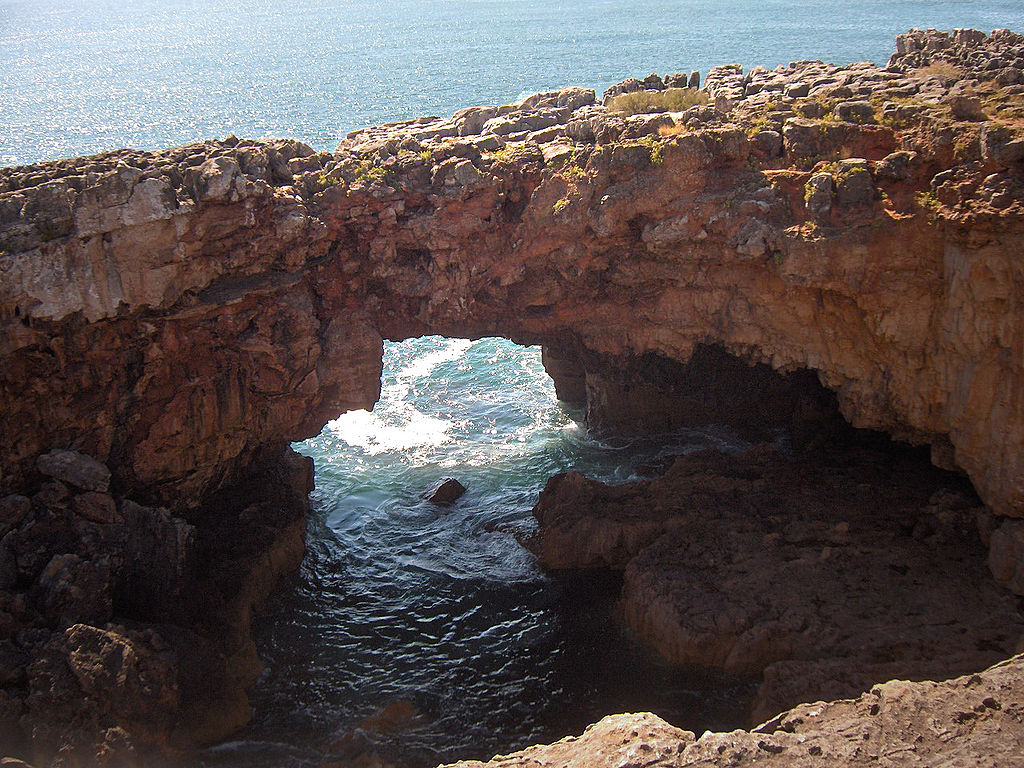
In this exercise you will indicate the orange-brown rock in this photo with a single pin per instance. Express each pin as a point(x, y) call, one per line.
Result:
point(179, 316)
point(977, 719)
point(822, 573)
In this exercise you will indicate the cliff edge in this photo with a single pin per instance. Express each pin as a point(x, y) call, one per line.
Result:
point(172, 320)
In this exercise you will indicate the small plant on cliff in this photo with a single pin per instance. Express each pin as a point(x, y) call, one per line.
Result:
point(324, 180)
point(573, 168)
point(657, 158)
point(502, 155)
point(672, 130)
point(559, 205)
point(928, 201)
point(668, 100)
point(368, 173)
point(426, 156)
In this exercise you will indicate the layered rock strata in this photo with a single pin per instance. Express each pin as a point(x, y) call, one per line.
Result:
point(179, 316)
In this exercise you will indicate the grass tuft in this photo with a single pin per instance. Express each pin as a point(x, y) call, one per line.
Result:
point(668, 100)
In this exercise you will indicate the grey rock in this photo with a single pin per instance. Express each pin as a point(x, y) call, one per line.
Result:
point(818, 194)
point(470, 121)
point(567, 98)
point(626, 86)
point(75, 469)
point(13, 510)
point(895, 166)
point(966, 108)
point(507, 125)
point(854, 185)
point(96, 508)
point(860, 112)
point(646, 125)
point(653, 83)
point(768, 143)
point(72, 590)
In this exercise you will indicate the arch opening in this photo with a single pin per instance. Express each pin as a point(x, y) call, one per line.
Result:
point(423, 633)
point(432, 628)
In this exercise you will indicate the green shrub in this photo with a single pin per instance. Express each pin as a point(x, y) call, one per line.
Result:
point(668, 100)
point(657, 158)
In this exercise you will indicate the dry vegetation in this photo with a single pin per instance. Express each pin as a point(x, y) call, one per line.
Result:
point(941, 69)
point(668, 100)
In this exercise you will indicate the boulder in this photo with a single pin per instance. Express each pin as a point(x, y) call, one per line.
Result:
point(75, 469)
point(854, 185)
point(860, 112)
point(446, 491)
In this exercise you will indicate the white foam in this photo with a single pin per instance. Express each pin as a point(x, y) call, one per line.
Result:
point(395, 424)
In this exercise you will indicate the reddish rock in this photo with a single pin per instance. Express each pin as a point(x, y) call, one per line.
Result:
point(181, 316)
point(973, 719)
point(824, 573)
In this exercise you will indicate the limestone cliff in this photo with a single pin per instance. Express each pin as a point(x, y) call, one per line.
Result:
point(180, 316)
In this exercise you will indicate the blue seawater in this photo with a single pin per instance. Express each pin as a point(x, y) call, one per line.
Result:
point(402, 600)
point(83, 76)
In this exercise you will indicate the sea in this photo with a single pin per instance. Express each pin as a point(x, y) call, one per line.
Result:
point(416, 633)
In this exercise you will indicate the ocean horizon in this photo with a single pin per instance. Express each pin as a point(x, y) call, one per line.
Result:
point(89, 76)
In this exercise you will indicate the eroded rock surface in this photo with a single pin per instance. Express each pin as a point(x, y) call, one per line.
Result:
point(973, 720)
point(179, 316)
point(823, 573)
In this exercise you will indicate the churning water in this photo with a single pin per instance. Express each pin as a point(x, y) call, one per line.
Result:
point(401, 601)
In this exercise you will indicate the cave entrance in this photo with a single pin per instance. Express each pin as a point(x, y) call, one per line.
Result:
point(432, 627)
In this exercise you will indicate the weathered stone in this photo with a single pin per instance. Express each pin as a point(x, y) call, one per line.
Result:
point(13, 510)
point(818, 195)
point(841, 543)
point(237, 299)
point(896, 166)
point(614, 742)
point(966, 108)
point(97, 508)
point(75, 469)
point(905, 722)
point(1006, 555)
point(768, 143)
point(855, 111)
point(446, 491)
point(75, 591)
point(854, 185)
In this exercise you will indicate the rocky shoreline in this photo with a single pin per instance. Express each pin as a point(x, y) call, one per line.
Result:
point(845, 239)
point(822, 573)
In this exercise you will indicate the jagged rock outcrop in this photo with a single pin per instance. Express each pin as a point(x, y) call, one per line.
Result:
point(179, 316)
point(973, 720)
point(820, 574)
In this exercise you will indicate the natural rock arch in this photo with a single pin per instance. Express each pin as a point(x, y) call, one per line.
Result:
point(182, 316)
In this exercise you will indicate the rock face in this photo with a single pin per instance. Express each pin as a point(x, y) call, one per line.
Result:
point(178, 317)
point(822, 574)
point(972, 720)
